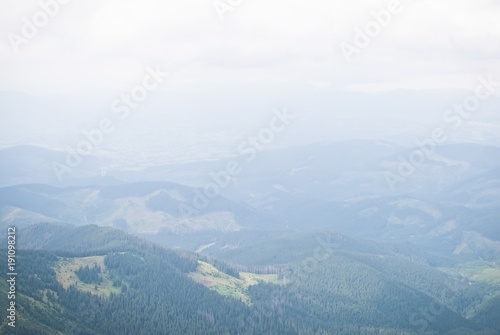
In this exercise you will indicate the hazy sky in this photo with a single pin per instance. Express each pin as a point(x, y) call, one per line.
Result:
point(106, 44)
point(225, 75)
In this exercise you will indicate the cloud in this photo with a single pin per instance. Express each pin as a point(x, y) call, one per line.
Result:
point(104, 44)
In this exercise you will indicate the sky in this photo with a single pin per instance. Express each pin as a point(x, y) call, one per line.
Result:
point(229, 62)
point(102, 45)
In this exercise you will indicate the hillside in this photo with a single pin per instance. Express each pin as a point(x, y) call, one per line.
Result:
point(63, 301)
point(97, 280)
point(141, 208)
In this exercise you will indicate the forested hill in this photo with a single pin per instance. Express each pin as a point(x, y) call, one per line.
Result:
point(103, 281)
point(95, 280)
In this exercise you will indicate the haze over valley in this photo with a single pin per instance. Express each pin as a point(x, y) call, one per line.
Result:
point(246, 167)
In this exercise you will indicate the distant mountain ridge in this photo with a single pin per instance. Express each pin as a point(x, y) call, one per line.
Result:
point(146, 207)
point(449, 202)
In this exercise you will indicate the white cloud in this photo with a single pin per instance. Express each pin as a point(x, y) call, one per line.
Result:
point(104, 44)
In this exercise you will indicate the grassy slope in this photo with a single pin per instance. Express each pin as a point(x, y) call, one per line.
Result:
point(224, 284)
point(66, 276)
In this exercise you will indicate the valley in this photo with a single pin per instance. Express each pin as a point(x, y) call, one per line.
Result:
point(306, 236)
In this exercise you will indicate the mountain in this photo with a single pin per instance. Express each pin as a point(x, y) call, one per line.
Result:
point(448, 202)
point(98, 280)
point(102, 281)
point(146, 208)
point(302, 240)
point(26, 164)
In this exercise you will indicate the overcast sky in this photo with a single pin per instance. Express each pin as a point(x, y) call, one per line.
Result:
point(105, 44)
point(263, 54)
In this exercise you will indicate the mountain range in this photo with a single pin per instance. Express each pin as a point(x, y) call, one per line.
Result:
point(312, 239)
